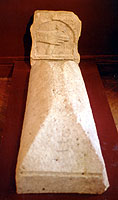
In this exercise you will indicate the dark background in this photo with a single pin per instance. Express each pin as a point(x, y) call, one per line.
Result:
point(99, 25)
point(99, 37)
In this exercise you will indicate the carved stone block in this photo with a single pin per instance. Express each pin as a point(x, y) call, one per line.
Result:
point(59, 147)
point(55, 35)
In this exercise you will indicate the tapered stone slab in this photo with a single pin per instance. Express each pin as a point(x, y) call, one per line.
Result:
point(59, 147)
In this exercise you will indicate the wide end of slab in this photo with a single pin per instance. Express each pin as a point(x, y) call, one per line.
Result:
point(50, 182)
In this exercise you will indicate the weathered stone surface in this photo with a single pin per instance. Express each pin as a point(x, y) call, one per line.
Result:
point(59, 148)
point(55, 35)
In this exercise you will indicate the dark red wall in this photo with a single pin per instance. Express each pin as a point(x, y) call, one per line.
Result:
point(99, 24)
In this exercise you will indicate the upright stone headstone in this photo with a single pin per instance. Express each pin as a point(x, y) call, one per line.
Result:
point(59, 147)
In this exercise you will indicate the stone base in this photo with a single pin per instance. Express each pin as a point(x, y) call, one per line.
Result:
point(60, 183)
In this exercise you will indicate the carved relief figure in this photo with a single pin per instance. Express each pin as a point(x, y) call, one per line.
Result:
point(54, 37)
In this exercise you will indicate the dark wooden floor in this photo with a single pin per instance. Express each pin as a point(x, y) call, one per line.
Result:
point(111, 89)
point(4, 94)
point(109, 76)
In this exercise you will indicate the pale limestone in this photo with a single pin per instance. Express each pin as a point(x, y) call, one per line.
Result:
point(59, 147)
point(55, 35)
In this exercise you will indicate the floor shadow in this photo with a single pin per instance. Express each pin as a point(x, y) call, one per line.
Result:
point(27, 41)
